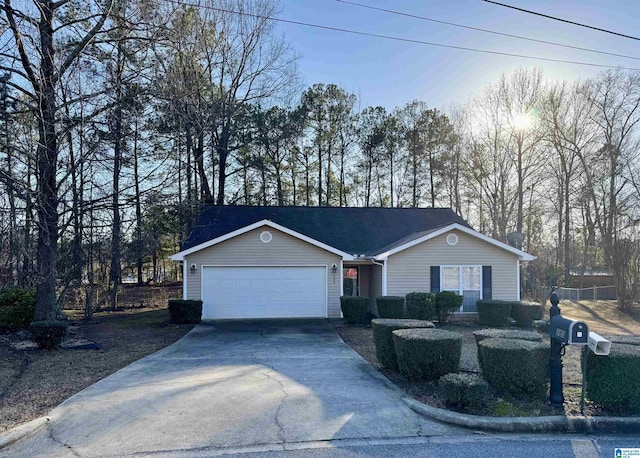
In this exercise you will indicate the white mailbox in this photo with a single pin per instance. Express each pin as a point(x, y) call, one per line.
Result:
point(598, 344)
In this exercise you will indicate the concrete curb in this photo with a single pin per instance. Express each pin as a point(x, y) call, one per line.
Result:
point(547, 424)
point(15, 434)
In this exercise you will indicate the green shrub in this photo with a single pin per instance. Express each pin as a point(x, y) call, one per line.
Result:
point(518, 367)
point(390, 306)
point(427, 353)
point(421, 306)
point(525, 312)
point(354, 309)
point(466, 391)
point(383, 338)
point(185, 311)
point(446, 303)
point(494, 313)
point(49, 334)
point(16, 307)
point(613, 381)
point(541, 326)
point(541, 312)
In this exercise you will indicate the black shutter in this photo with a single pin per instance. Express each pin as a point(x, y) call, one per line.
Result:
point(435, 279)
point(486, 283)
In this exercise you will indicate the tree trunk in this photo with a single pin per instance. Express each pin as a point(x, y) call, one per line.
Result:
point(47, 162)
point(328, 188)
point(391, 176)
point(199, 157)
point(116, 270)
point(520, 210)
point(223, 154)
point(279, 191)
point(567, 228)
point(138, 204)
point(414, 169)
point(432, 182)
point(319, 172)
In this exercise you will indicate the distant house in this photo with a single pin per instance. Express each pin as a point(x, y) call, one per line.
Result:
point(270, 262)
point(590, 277)
point(600, 280)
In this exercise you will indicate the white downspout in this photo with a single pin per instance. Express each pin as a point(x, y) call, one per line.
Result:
point(184, 279)
point(518, 277)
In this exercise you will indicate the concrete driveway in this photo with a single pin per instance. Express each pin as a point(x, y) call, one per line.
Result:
point(233, 387)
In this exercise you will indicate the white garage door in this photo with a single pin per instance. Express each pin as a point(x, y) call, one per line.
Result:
point(264, 292)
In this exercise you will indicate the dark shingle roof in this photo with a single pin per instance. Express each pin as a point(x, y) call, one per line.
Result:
point(367, 231)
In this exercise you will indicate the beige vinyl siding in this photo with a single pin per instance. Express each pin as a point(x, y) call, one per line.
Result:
point(375, 285)
point(363, 281)
point(283, 250)
point(409, 270)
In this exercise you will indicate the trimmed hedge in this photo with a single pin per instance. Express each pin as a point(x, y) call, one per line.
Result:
point(427, 353)
point(525, 312)
point(626, 340)
point(383, 338)
point(446, 303)
point(494, 313)
point(613, 381)
point(354, 308)
point(421, 306)
point(517, 367)
point(466, 391)
point(390, 306)
point(16, 307)
point(506, 334)
point(49, 334)
point(185, 312)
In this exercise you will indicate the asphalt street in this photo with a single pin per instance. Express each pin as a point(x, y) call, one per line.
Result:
point(462, 446)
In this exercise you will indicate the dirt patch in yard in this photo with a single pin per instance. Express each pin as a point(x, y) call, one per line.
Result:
point(34, 381)
point(602, 318)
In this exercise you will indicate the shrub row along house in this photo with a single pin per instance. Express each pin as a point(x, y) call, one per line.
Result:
point(293, 262)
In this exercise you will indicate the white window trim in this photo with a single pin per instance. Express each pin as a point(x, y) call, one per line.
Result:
point(460, 267)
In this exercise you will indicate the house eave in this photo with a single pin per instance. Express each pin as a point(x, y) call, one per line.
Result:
point(522, 255)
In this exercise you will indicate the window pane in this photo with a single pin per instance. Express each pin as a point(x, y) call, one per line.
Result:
point(471, 277)
point(450, 278)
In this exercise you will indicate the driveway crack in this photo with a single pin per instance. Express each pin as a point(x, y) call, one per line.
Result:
point(285, 396)
point(58, 441)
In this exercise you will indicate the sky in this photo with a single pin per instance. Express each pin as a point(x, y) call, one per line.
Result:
point(391, 73)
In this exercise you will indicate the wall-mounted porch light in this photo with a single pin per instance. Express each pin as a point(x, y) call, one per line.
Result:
point(193, 268)
point(334, 268)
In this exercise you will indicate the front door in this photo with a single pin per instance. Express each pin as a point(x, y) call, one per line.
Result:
point(350, 281)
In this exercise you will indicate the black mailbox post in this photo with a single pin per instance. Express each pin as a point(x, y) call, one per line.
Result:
point(563, 332)
point(556, 398)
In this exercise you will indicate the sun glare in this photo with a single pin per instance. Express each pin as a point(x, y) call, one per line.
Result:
point(522, 121)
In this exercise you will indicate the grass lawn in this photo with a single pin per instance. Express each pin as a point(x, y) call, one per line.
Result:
point(602, 317)
point(34, 381)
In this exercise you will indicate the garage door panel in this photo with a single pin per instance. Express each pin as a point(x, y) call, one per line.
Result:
point(264, 292)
